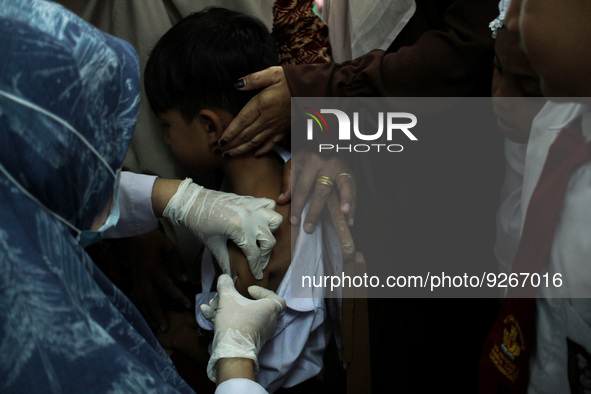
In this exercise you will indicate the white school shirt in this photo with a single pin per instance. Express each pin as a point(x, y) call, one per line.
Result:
point(561, 358)
point(509, 212)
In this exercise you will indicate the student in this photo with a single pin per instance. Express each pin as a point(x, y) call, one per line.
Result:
point(555, 36)
point(516, 101)
point(186, 81)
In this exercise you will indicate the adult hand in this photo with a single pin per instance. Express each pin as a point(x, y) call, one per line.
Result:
point(154, 263)
point(265, 119)
point(307, 168)
point(215, 217)
point(241, 326)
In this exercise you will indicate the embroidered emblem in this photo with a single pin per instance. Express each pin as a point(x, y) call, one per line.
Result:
point(504, 355)
point(579, 368)
point(510, 344)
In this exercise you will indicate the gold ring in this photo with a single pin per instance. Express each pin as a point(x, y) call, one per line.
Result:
point(324, 180)
point(345, 174)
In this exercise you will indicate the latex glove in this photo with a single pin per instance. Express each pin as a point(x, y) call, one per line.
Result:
point(215, 217)
point(241, 326)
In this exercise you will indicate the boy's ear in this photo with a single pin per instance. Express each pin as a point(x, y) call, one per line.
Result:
point(213, 124)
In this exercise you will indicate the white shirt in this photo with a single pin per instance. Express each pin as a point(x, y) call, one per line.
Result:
point(561, 360)
point(545, 128)
point(509, 212)
point(237, 386)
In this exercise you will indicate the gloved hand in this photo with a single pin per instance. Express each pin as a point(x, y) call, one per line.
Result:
point(215, 217)
point(241, 326)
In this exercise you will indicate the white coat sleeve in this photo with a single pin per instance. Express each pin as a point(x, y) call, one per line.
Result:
point(239, 386)
point(135, 205)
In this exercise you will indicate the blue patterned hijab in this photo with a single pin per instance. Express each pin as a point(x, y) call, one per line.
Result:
point(69, 98)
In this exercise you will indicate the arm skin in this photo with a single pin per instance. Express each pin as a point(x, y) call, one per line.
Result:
point(162, 192)
point(232, 368)
point(278, 263)
point(281, 255)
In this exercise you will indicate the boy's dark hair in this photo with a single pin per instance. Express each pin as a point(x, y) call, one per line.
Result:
point(195, 64)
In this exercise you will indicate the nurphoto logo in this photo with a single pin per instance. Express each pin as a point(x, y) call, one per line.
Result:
point(388, 123)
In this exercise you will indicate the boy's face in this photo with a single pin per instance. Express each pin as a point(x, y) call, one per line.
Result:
point(556, 36)
point(191, 142)
point(515, 88)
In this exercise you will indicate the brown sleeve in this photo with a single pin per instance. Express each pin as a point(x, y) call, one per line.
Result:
point(451, 55)
point(301, 36)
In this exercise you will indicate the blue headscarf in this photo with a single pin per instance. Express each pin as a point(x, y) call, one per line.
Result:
point(69, 98)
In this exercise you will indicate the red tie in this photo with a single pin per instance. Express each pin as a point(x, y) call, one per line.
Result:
point(504, 363)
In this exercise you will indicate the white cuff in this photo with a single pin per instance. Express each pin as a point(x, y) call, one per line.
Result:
point(232, 343)
point(239, 385)
point(135, 204)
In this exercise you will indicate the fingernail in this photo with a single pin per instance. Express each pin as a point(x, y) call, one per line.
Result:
point(280, 196)
point(235, 279)
point(223, 142)
point(217, 151)
point(227, 155)
point(351, 222)
point(293, 220)
point(308, 227)
point(239, 84)
point(345, 208)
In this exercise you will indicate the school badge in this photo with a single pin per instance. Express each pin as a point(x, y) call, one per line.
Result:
point(504, 355)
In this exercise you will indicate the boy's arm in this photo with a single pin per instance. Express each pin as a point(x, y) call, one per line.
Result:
point(278, 263)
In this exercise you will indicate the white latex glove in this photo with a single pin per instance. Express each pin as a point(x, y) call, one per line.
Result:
point(241, 326)
point(215, 217)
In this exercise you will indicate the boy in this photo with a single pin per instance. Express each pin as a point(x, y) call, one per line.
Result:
point(516, 101)
point(189, 83)
point(555, 36)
